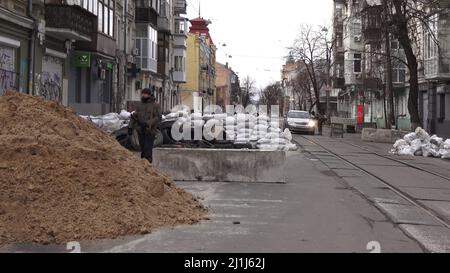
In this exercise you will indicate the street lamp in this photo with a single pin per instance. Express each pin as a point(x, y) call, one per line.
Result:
point(328, 60)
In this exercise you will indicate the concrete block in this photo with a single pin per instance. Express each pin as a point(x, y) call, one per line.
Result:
point(381, 135)
point(221, 165)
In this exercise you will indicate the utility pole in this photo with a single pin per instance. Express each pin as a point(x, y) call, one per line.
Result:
point(390, 118)
point(125, 32)
point(328, 72)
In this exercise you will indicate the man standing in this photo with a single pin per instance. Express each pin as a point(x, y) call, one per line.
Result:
point(320, 121)
point(145, 121)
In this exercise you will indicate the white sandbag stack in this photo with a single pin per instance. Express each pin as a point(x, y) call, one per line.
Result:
point(230, 128)
point(420, 143)
point(244, 128)
point(445, 149)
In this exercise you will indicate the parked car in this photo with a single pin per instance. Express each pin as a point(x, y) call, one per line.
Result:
point(300, 121)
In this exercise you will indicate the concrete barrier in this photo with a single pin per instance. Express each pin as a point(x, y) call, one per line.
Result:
point(381, 135)
point(218, 165)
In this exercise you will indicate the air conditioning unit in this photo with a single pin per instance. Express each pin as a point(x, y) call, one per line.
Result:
point(135, 52)
point(358, 39)
point(130, 59)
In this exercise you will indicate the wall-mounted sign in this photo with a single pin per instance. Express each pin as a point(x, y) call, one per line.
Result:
point(82, 59)
point(109, 66)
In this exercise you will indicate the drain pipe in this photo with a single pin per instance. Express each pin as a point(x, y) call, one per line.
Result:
point(31, 48)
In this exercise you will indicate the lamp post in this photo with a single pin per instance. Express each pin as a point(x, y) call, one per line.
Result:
point(328, 67)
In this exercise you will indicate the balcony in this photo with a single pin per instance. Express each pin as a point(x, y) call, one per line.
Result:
point(437, 68)
point(164, 18)
point(338, 24)
point(163, 54)
point(69, 22)
point(180, 7)
point(99, 42)
point(372, 23)
point(146, 15)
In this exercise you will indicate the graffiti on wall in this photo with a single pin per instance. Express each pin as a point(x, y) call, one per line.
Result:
point(8, 78)
point(50, 81)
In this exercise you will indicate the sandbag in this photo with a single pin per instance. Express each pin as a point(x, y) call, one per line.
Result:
point(279, 141)
point(416, 147)
point(445, 154)
point(124, 115)
point(430, 150)
point(410, 137)
point(435, 140)
point(230, 121)
point(261, 127)
point(400, 143)
point(241, 118)
point(220, 116)
point(245, 131)
point(268, 147)
point(264, 141)
point(272, 135)
point(422, 135)
point(196, 116)
point(406, 151)
point(287, 134)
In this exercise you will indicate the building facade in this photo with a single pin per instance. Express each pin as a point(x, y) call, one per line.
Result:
point(227, 86)
point(199, 90)
point(362, 73)
point(15, 42)
point(359, 73)
point(160, 51)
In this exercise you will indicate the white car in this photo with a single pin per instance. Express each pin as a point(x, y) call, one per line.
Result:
point(300, 121)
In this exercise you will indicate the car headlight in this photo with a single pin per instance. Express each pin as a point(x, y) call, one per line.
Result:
point(312, 123)
point(291, 123)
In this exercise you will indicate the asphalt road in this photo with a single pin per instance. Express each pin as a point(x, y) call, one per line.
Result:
point(316, 211)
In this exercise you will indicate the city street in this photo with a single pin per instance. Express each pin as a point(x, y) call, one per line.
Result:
point(327, 205)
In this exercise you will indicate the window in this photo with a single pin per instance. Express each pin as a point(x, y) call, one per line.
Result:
point(90, 5)
point(100, 17)
point(399, 74)
point(179, 64)
point(180, 26)
point(357, 28)
point(104, 9)
point(146, 42)
point(357, 67)
point(430, 46)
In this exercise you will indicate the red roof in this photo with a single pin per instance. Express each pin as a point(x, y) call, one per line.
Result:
point(200, 26)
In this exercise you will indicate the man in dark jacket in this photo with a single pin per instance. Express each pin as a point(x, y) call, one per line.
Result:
point(145, 121)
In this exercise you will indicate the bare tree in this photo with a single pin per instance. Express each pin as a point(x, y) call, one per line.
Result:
point(404, 18)
point(310, 48)
point(247, 90)
point(406, 21)
point(272, 94)
point(301, 86)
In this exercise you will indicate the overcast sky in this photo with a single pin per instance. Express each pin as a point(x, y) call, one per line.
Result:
point(257, 32)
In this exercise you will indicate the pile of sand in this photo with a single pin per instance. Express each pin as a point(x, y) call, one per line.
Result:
point(63, 179)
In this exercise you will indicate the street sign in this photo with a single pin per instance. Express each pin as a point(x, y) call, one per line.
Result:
point(82, 59)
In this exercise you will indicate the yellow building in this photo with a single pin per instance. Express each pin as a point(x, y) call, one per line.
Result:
point(199, 90)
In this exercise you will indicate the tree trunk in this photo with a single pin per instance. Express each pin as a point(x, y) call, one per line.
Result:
point(401, 25)
point(413, 101)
